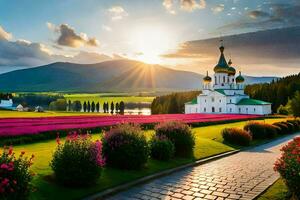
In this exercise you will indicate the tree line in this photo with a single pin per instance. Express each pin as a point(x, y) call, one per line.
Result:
point(172, 103)
point(278, 92)
point(5, 96)
point(87, 106)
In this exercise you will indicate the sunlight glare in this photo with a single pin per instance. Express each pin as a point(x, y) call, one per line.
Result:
point(150, 43)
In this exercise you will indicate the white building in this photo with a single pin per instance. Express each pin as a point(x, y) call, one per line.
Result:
point(226, 95)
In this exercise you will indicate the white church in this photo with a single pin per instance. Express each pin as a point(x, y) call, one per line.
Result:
point(226, 94)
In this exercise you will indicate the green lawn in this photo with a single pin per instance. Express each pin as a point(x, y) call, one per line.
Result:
point(278, 191)
point(11, 114)
point(208, 142)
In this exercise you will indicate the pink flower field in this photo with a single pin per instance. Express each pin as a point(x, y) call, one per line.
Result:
point(30, 126)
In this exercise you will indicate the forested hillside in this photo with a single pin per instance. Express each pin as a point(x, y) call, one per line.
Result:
point(172, 103)
point(277, 92)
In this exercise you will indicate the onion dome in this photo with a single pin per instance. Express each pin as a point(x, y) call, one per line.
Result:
point(222, 66)
point(231, 70)
point(239, 78)
point(207, 79)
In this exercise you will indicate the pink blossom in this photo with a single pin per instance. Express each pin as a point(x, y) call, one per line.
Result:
point(31, 126)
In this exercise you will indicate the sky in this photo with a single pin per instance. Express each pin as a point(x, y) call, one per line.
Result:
point(34, 33)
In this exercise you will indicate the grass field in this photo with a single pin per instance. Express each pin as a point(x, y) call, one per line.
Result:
point(12, 114)
point(278, 191)
point(208, 143)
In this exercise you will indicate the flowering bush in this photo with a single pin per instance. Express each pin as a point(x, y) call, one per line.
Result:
point(180, 134)
point(161, 148)
point(288, 165)
point(237, 136)
point(78, 161)
point(260, 130)
point(125, 147)
point(14, 175)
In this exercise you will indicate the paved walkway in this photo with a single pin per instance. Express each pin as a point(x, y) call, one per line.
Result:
point(240, 176)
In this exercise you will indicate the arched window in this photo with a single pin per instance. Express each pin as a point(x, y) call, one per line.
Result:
point(230, 100)
point(204, 109)
point(216, 80)
point(213, 109)
point(212, 99)
point(220, 109)
point(239, 110)
point(223, 79)
point(230, 109)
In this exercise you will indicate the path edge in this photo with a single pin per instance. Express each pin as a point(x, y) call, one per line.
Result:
point(122, 187)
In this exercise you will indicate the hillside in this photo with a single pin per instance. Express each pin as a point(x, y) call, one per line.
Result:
point(112, 76)
point(116, 75)
point(256, 80)
point(277, 92)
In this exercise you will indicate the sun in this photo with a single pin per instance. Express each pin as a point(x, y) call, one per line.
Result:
point(150, 42)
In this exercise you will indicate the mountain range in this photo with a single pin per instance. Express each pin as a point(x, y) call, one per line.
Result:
point(108, 76)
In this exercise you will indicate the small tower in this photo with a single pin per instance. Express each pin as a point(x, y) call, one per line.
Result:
point(231, 74)
point(221, 72)
point(240, 81)
point(206, 82)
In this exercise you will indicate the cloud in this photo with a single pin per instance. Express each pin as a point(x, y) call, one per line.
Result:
point(270, 15)
point(117, 12)
point(68, 37)
point(185, 5)
point(168, 4)
point(4, 35)
point(258, 14)
point(23, 53)
point(190, 5)
point(217, 9)
point(106, 28)
point(277, 48)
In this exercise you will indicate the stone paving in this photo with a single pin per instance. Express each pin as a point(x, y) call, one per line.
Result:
point(240, 176)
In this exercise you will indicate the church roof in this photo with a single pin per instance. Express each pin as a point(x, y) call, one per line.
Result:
point(222, 66)
point(247, 101)
point(207, 78)
point(240, 78)
point(193, 102)
point(220, 91)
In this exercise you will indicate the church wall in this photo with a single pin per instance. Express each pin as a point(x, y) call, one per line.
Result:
point(254, 109)
point(215, 104)
point(188, 109)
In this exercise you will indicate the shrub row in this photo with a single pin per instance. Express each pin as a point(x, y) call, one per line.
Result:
point(258, 130)
point(237, 136)
point(125, 146)
point(79, 160)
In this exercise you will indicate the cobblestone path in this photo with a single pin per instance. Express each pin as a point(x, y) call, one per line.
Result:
point(240, 176)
